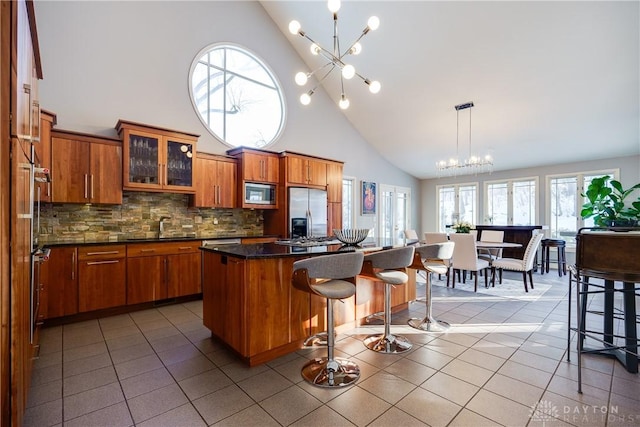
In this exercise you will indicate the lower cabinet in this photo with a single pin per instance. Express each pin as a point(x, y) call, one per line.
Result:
point(157, 271)
point(59, 278)
point(101, 277)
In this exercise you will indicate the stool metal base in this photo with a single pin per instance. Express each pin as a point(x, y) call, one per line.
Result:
point(337, 373)
point(387, 344)
point(429, 324)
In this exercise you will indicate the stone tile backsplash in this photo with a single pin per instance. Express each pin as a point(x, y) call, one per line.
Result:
point(139, 217)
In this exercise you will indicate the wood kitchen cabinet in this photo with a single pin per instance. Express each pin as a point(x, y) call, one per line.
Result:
point(42, 152)
point(305, 171)
point(216, 182)
point(101, 277)
point(157, 159)
point(157, 271)
point(59, 296)
point(257, 165)
point(85, 168)
point(334, 182)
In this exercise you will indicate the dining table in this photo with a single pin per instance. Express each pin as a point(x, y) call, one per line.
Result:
point(482, 245)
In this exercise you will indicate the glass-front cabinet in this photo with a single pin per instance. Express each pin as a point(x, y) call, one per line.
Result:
point(157, 159)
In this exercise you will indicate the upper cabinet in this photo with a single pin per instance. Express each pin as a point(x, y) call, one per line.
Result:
point(334, 182)
point(85, 168)
point(42, 153)
point(305, 171)
point(157, 159)
point(256, 165)
point(216, 181)
point(25, 124)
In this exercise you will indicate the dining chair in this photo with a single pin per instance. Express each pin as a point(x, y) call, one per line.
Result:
point(431, 238)
point(491, 236)
point(411, 235)
point(465, 257)
point(525, 265)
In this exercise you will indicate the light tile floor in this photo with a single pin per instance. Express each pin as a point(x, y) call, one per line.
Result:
point(502, 363)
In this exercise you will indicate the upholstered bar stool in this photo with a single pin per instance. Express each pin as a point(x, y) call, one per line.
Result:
point(392, 263)
point(327, 276)
point(562, 257)
point(435, 259)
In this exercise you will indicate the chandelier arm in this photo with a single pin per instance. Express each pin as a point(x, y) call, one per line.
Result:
point(320, 68)
point(346, 52)
point(336, 40)
point(323, 78)
point(324, 52)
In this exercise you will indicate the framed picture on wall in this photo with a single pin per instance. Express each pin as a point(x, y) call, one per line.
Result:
point(369, 198)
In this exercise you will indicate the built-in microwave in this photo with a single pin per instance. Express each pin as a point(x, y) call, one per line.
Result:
point(259, 194)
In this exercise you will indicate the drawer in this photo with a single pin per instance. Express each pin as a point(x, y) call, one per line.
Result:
point(101, 252)
point(163, 248)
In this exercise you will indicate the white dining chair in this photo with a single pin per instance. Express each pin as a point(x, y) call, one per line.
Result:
point(491, 236)
point(525, 265)
point(465, 257)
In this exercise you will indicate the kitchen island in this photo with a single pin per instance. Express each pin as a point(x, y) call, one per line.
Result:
point(250, 304)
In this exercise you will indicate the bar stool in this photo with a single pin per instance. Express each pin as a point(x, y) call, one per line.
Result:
point(562, 257)
point(434, 260)
point(392, 262)
point(327, 276)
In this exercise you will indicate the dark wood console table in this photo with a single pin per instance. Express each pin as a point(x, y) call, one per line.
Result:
point(514, 234)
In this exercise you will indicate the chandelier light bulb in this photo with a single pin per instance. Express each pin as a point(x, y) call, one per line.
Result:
point(344, 102)
point(373, 23)
point(348, 71)
point(333, 5)
point(294, 27)
point(314, 48)
point(305, 99)
point(301, 78)
point(374, 86)
point(355, 49)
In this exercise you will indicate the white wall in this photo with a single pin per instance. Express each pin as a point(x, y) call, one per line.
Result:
point(629, 176)
point(103, 61)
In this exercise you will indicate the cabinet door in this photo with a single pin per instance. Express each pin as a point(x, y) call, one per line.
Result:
point(142, 153)
point(59, 278)
point(297, 171)
point(334, 182)
point(69, 171)
point(317, 172)
point(227, 183)
point(183, 275)
point(145, 279)
point(177, 168)
point(206, 189)
point(334, 217)
point(105, 183)
point(101, 284)
point(43, 156)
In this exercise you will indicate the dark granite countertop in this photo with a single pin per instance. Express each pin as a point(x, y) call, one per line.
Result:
point(124, 241)
point(275, 250)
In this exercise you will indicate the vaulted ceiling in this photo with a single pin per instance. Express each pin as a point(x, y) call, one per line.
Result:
point(552, 82)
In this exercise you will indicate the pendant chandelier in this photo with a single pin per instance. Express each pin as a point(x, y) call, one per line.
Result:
point(336, 58)
point(473, 163)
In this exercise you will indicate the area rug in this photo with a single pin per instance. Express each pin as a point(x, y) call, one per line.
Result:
point(510, 288)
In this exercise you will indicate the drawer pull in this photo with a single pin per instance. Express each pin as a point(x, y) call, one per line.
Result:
point(147, 250)
point(115, 261)
point(184, 248)
point(103, 253)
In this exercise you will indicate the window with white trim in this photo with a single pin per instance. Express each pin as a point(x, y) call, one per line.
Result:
point(565, 203)
point(457, 203)
point(511, 202)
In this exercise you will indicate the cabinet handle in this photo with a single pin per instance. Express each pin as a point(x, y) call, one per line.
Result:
point(262, 168)
point(115, 261)
point(160, 173)
point(73, 265)
point(86, 177)
point(166, 271)
point(184, 248)
point(27, 90)
point(92, 186)
point(103, 253)
point(48, 189)
point(166, 174)
point(147, 250)
point(217, 194)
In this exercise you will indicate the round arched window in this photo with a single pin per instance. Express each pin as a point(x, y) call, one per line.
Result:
point(236, 96)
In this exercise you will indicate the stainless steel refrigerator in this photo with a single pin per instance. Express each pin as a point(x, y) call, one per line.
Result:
point(307, 212)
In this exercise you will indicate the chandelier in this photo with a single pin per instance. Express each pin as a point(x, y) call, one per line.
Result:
point(336, 58)
point(472, 164)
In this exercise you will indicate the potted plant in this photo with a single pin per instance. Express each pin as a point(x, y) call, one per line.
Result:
point(607, 204)
point(462, 227)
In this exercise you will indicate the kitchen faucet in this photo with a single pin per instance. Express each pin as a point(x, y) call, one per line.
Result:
point(161, 229)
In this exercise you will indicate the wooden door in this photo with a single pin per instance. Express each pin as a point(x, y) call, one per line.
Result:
point(59, 277)
point(43, 155)
point(145, 279)
point(334, 182)
point(177, 165)
point(101, 283)
point(317, 172)
point(334, 217)
point(183, 275)
point(105, 184)
point(142, 159)
point(69, 171)
point(205, 183)
point(260, 167)
point(297, 171)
